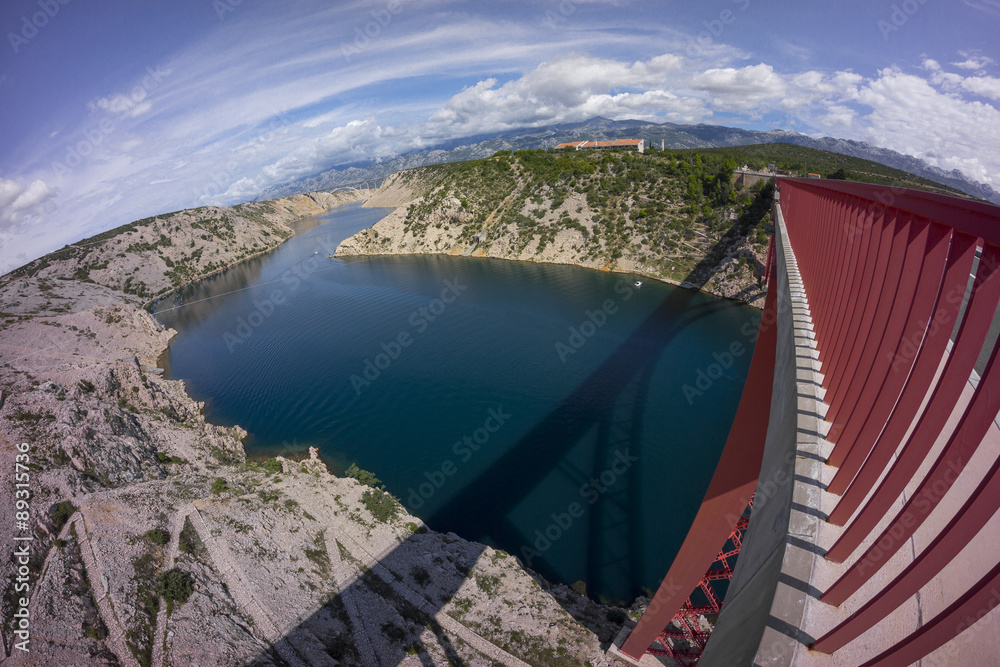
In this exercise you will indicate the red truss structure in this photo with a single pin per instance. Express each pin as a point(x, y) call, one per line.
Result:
point(687, 618)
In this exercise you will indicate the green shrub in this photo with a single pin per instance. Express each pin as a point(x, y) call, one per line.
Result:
point(363, 476)
point(175, 586)
point(383, 506)
point(158, 536)
point(272, 465)
point(61, 514)
point(219, 486)
point(188, 541)
point(420, 575)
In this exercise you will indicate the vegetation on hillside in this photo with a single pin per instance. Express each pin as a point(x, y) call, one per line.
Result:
point(659, 214)
point(802, 160)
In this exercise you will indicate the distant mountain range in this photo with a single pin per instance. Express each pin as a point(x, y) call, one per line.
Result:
point(671, 135)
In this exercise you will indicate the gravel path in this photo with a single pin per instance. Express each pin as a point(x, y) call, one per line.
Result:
point(344, 574)
point(176, 525)
point(98, 584)
point(242, 590)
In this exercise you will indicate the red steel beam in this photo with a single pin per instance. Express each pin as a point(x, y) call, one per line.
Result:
point(849, 295)
point(883, 305)
point(927, 359)
point(965, 215)
point(978, 509)
point(895, 302)
point(974, 329)
point(850, 324)
point(960, 615)
point(895, 358)
point(846, 242)
point(828, 301)
point(895, 237)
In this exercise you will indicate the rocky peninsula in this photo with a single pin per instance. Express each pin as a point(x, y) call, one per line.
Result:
point(648, 215)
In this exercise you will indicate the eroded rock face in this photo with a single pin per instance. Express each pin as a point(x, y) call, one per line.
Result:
point(286, 563)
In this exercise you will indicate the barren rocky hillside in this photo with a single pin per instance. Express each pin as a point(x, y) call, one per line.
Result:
point(678, 220)
point(147, 536)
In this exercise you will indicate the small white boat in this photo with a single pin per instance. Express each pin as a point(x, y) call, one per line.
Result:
point(638, 283)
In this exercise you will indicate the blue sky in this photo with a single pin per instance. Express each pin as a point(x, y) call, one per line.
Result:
point(112, 110)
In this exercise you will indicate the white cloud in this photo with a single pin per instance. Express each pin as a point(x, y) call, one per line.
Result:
point(988, 6)
point(839, 115)
point(570, 87)
point(20, 202)
point(123, 105)
point(976, 63)
point(909, 114)
point(985, 86)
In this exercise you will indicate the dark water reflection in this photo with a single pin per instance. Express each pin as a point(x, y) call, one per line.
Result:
point(537, 408)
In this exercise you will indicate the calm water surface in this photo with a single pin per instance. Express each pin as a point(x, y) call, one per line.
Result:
point(538, 408)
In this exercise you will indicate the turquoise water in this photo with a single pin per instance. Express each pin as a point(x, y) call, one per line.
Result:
point(538, 408)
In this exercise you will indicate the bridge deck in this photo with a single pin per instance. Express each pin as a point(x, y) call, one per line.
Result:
point(979, 646)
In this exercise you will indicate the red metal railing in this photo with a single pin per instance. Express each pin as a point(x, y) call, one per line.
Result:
point(886, 271)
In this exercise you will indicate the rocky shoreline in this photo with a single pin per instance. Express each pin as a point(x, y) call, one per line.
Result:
point(282, 562)
point(728, 275)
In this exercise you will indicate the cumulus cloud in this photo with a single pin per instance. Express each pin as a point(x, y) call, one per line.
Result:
point(984, 86)
point(566, 88)
point(922, 117)
point(19, 202)
point(21, 207)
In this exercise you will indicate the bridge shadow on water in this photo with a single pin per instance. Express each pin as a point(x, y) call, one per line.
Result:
point(609, 403)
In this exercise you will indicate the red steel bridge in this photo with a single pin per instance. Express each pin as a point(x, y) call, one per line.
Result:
point(867, 440)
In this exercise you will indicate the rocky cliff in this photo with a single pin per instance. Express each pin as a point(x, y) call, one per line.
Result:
point(139, 534)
